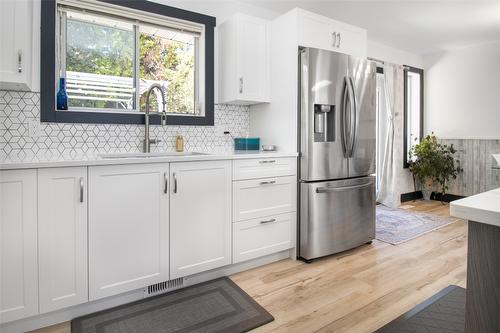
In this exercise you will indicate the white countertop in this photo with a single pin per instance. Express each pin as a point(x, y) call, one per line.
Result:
point(99, 160)
point(483, 207)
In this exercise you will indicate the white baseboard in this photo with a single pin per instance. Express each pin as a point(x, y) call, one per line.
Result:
point(67, 314)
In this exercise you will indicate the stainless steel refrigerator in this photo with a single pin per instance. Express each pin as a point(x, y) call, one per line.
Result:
point(337, 119)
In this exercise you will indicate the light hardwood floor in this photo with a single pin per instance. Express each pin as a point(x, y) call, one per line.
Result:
point(360, 290)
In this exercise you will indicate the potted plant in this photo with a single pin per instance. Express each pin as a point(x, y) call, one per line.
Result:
point(433, 165)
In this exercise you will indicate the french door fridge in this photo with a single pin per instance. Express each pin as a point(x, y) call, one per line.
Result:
point(337, 152)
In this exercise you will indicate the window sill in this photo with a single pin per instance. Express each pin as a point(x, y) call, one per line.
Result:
point(111, 117)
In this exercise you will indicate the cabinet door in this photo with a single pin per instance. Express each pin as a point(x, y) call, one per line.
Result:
point(252, 58)
point(62, 237)
point(18, 245)
point(351, 40)
point(128, 227)
point(15, 38)
point(200, 217)
point(315, 31)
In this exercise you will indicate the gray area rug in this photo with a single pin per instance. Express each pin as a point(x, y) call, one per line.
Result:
point(442, 313)
point(214, 306)
point(396, 226)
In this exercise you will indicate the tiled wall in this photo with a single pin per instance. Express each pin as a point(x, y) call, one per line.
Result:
point(476, 160)
point(63, 141)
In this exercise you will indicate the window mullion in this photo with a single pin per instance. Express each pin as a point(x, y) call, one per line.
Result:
point(137, 52)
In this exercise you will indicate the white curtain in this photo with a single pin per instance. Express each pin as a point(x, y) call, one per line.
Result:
point(394, 180)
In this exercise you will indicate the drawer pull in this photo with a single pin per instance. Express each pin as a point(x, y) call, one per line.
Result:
point(268, 182)
point(267, 161)
point(268, 221)
point(340, 189)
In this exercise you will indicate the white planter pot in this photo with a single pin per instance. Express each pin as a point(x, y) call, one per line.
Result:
point(427, 194)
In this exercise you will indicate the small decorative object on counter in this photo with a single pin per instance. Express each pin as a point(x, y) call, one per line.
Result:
point(246, 143)
point(179, 143)
point(268, 148)
point(62, 95)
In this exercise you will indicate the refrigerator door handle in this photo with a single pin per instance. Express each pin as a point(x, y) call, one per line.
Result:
point(345, 131)
point(340, 189)
point(353, 116)
point(354, 103)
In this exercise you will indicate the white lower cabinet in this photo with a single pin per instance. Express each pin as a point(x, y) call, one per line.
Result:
point(128, 227)
point(262, 236)
point(69, 235)
point(264, 207)
point(200, 217)
point(62, 237)
point(18, 245)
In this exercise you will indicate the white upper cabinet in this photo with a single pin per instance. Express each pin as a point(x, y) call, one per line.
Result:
point(128, 227)
point(243, 60)
point(19, 40)
point(62, 237)
point(200, 217)
point(18, 245)
point(324, 33)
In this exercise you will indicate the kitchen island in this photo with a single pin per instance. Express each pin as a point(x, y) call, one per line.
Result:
point(483, 260)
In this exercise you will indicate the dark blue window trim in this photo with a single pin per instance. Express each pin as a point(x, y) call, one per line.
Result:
point(48, 112)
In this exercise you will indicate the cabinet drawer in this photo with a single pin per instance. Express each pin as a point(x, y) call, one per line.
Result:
point(264, 167)
point(263, 236)
point(263, 197)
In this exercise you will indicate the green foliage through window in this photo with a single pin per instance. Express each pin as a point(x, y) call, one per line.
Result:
point(100, 62)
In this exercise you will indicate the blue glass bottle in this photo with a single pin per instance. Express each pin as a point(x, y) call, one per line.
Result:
point(62, 96)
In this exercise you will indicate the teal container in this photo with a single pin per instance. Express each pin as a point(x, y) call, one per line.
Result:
point(247, 143)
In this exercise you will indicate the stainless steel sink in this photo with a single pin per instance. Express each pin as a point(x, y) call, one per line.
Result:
point(150, 155)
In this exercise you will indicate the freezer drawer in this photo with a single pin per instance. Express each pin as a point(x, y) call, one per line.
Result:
point(336, 216)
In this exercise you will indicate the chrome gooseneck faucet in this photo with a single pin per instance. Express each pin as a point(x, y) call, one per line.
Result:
point(147, 140)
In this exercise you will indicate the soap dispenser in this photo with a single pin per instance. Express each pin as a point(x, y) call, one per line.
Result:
point(179, 143)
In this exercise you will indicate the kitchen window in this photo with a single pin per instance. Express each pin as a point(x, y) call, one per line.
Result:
point(413, 109)
point(110, 52)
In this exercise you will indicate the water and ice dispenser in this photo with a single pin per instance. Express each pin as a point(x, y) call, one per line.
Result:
point(324, 123)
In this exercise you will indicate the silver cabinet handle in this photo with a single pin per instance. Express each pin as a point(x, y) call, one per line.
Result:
point(267, 161)
point(338, 39)
point(20, 61)
point(165, 176)
point(81, 189)
point(268, 182)
point(175, 182)
point(268, 221)
point(241, 85)
point(340, 189)
point(334, 39)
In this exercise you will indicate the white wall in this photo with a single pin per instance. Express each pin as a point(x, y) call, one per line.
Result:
point(393, 55)
point(462, 93)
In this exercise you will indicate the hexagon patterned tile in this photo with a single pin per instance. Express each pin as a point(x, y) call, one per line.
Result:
point(62, 141)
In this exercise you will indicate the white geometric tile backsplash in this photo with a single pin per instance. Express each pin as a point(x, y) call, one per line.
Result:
point(56, 141)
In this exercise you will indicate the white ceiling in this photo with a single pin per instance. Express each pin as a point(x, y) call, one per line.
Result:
point(420, 27)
